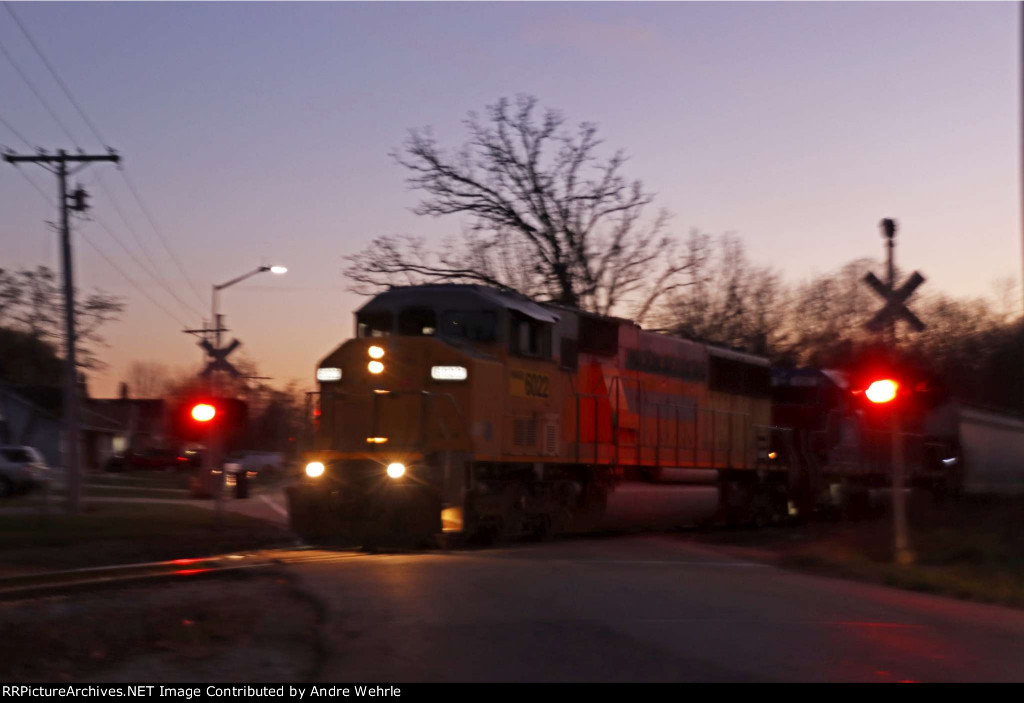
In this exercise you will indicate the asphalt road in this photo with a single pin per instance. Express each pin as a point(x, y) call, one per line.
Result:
point(643, 608)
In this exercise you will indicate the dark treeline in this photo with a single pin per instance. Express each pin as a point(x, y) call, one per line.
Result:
point(973, 345)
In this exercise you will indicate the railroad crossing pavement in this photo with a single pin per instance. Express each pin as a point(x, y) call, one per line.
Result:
point(640, 608)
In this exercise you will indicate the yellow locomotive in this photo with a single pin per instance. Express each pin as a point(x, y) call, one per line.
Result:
point(467, 410)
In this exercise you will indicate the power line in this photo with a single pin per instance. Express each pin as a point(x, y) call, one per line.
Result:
point(159, 234)
point(15, 132)
point(129, 279)
point(152, 274)
point(39, 96)
point(24, 175)
point(49, 202)
point(106, 258)
point(39, 188)
point(157, 274)
point(53, 73)
point(67, 92)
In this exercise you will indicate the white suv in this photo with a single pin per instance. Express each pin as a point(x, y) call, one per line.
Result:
point(21, 469)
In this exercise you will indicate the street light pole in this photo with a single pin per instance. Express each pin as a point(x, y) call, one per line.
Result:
point(218, 288)
point(216, 442)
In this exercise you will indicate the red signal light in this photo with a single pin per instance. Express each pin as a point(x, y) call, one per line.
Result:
point(882, 391)
point(203, 412)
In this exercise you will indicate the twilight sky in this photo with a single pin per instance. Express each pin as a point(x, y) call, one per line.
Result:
point(259, 133)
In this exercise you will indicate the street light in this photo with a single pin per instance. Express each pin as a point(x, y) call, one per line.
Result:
point(218, 288)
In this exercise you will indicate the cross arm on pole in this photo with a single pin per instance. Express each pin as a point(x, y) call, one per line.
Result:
point(57, 158)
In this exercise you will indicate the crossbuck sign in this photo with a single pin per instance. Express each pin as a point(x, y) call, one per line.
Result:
point(895, 303)
point(218, 358)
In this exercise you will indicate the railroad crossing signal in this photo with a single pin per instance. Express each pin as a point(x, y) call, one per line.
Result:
point(882, 391)
point(218, 358)
point(895, 303)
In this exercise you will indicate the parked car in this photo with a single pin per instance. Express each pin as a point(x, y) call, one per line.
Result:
point(148, 459)
point(21, 469)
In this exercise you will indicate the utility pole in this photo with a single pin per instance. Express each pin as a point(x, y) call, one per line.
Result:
point(58, 164)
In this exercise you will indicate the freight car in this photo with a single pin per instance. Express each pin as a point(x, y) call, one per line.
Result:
point(476, 412)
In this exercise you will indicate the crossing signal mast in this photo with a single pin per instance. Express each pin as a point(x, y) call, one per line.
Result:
point(218, 424)
point(888, 389)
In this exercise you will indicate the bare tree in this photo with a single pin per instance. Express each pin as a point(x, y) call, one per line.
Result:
point(828, 312)
point(31, 301)
point(727, 299)
point(546, 216)
point(148, 379)
point(10, 294)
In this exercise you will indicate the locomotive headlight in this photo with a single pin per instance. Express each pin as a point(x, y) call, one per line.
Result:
point(449, 373)
point(375, 352)
point(314, 469)
point(375, 367)
point(396, 470)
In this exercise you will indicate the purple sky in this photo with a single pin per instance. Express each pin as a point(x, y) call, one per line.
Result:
point(259, 133)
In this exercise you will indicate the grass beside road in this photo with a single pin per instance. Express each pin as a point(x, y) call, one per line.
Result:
point(969, 548)
point(122, 533)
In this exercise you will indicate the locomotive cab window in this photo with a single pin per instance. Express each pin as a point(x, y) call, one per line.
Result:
point(529, 337)
point(475, 325)
point(373, 324)
point(417, 322)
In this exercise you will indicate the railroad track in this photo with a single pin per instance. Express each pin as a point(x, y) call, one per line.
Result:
point(40, 585)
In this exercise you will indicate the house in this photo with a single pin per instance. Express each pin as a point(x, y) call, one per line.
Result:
point(25, 422)
point(32, 415)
